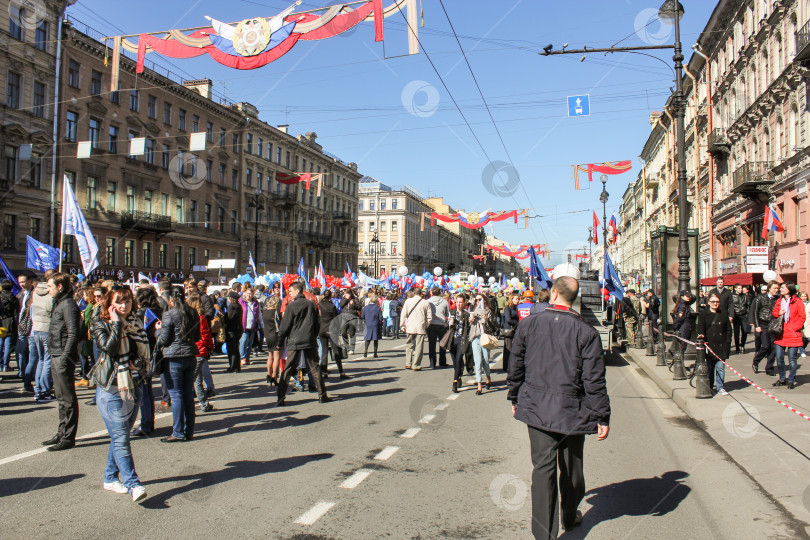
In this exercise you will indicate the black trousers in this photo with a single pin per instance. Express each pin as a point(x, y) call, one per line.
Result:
point(740, 323)
point(311, 357)
point(234, 361)
point(375, 342)
point(63, 371)
point(325, 348)
point(766, 348)
point(459, 358)
point(507, 352)
point(550, 452)
point(435, 332)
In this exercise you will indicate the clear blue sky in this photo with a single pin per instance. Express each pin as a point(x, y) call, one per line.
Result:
point(395, 119)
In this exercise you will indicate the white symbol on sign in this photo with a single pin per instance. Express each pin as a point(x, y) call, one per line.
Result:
point(579, 106)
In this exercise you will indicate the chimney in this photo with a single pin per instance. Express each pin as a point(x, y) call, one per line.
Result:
point(201, 86)
point(284, 128)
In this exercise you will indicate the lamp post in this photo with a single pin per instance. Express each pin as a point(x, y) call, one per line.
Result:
point(671, 11)
point(376, 241)
point(590, 242)
point(603, 198)
point(256, 204)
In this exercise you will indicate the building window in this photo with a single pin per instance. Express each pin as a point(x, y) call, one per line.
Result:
point(220, 219)
point(234, 178)
point(164, 204)
point(13, 95)
point(41, 35)
point(249, 143)
point(129, 255)
point(10, 162)
point(207, 216)
point(130, 198)
point(146, 252)
point(35, 170)
point(206, 255)
point(259, 181)
point(131, 135)
point(181, 121)
point(9, 232)
point(371, 206)
point(178, 258)
point(393, 226)
point(167, 113)
point(269, 151)
point(15, 19)
point(192, 257)
point(162, 254)
point(393, 204)
point(287, 159)
point(278, 155)
point(165, 156)
point(249, 178)
point(115, 97)
point(35, 228)
point(91, 193)
point(110, 252)
point(259, 144)
point(361, 227)
point(235, 143)
point(95, 132)
point(195, 123)
point(360, 205)
point(178, 210)
point(151, 107)
point(67, 249)
point(192, 214)
point(133, 100)
point(234, 217)
point(209, 169)
point(112, 191)
point(371, 226)
point(147, 201)
point(222, 137)
point(393, 248)
point(73, 74)
point(39, 99)
point(383, 226)
point(382, 204)
point(209, 132)
point(114, 139)
point(95, 82)
point(149, 150)
point(222, 174)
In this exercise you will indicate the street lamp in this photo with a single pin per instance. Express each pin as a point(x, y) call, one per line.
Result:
point(375, 240)
point(590, 242)
point(671, 12)
point(257, 206)
point(603, 198)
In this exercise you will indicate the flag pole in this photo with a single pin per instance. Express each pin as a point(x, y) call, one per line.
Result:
point(62, 226)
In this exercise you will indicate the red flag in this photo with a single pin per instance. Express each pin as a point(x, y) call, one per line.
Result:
point(596, 224)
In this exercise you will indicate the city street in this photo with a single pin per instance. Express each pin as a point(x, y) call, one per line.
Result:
point(396, 455)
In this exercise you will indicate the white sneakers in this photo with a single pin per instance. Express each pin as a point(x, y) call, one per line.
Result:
point(723, 392)
point(116, 487)
point(138, 492)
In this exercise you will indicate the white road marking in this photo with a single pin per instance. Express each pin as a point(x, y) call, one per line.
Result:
point(411, 433)
point(471, 382)
point(441, 406)
point(663, 404)
point(354, 480)
point(315, 513)
point(452, 397)
point(386, 453)
point(30, 453)
point(426, 419)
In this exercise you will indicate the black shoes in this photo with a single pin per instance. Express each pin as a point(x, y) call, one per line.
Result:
point(61, 445)
point(791, 385)
point(281, 403)
point(780, 383)
point(53, 440)
point(577, 522)
point(138, 432)
point(269, 379)
point(755, 365)
point(343, 376)
point(488, 383)
point(455, 387)
point(770, 372)
point(324, 399)
point(172, 439)
point(478, 392)
point(208, 408)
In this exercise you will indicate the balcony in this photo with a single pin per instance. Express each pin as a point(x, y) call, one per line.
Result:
point(652, 181)
point(341, 216)
point(145, 222)
point(803, 43)
point(316, 239)
point(284, 198)
point(752, 180)
point(719, 145)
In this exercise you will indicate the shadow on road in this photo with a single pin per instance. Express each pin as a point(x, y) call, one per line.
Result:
point(201, 484)
point(656, 496)
point(16, 486)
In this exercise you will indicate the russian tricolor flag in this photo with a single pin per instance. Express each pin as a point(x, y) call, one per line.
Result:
point(771, 223)
point(614, 226)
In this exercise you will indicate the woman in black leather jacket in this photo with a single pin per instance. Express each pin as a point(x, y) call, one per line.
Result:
point(118, 375)
point(510, 322)
point(682, 317)
point(179, 332)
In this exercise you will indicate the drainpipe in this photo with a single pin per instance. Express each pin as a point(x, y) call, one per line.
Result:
point(646, 234)
point(55, 132)
point(697, 148)
point(696, 48)
point(674, 154)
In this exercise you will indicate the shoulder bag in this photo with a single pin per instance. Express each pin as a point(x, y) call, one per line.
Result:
point(489, 341)
point(776, 327)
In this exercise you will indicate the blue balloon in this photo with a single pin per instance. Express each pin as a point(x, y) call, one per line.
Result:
point(81, 277)
point(224, 348)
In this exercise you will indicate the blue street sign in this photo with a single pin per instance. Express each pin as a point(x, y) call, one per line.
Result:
point(579, 105)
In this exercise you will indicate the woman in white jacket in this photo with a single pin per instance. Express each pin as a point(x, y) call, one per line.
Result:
point(478, 318)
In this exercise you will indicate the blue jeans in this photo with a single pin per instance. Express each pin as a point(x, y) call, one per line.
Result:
point(245, 344)
point(119, 417)
point(27, 369)
point(148, 407)
point(38, 353)
point(717, 374)
point(208, 379)
point(5, 349)
point(780, 362)
point(481, 357)
point(180, 383)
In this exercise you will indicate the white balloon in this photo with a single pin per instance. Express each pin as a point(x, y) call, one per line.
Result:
point(769, 275)
point(566, 269)
point(361, 280)
point(437, 271)
point(472, 279)
point(402, 270)
point(491, 280)
point(515, 281)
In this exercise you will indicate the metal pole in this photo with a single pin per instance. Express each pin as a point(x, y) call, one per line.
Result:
point(702, 388)
point(56, 123)
point(683, 203)
point(661, 347)
point(678, 371)
point(650, 338)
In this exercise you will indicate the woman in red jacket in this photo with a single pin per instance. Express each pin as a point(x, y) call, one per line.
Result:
point(791, 309)
point(204, 348)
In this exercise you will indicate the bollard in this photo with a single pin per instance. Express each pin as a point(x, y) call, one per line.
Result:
point(661, 348)
point(639, 344)
point(678, 371)
point(650, 338)
point(702, 388)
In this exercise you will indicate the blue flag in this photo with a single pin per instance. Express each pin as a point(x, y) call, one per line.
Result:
point(15, 288)
point(612, 283)
point(149, 317)
point(302, 269)
point(537, 271)
point(40, 256)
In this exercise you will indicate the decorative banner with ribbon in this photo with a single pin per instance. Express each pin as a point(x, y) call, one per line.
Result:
point(519, 251)
point(608, 167)
point(475, 220)
point(256, 42)
point(296, 178)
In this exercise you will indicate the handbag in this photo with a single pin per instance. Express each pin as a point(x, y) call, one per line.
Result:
point(776, 327)
point(156, 363)
point(444, 343)
point(489, 341)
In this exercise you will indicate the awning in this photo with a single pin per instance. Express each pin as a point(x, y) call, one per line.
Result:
point(734, 279)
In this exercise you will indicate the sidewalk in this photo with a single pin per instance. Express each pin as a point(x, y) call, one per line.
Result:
point(782, 471)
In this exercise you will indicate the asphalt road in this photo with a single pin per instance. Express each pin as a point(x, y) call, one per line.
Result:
point(396, 455)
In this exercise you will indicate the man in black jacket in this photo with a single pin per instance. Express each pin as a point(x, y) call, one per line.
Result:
point(726, 299)
point(557, 386)
point(233, 332)
point(761, 314)
point(300, 327)
point(63, 343)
